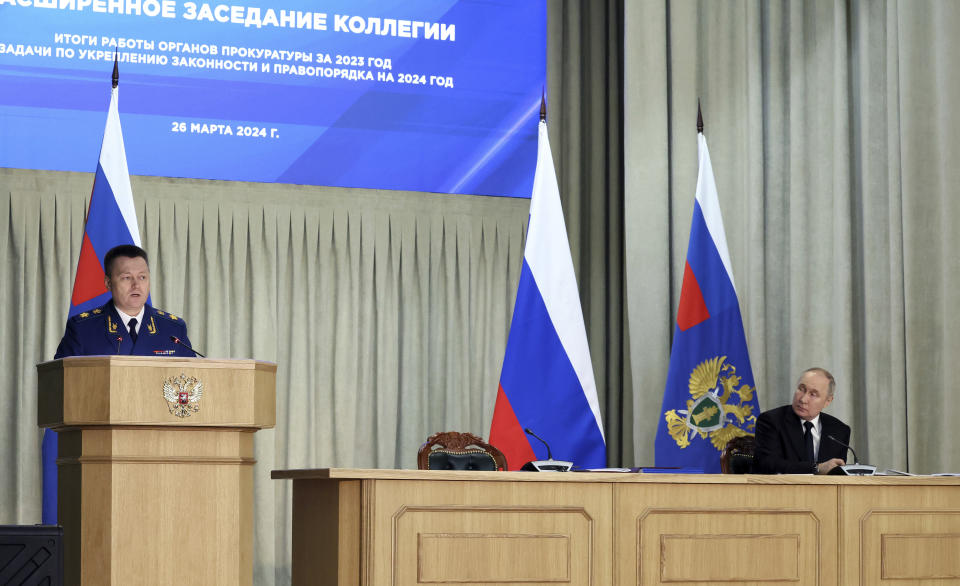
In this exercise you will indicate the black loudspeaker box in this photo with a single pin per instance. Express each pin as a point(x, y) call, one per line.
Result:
point(31, 555)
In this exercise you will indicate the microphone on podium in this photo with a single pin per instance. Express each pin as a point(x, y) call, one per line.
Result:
point(856, 469)
point(548, 465)
point(177, 340)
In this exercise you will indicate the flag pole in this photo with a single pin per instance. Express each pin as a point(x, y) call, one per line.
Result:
point(543, 106)
point(116, 70)
point(699, 118)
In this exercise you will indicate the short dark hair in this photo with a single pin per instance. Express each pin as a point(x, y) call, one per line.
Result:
point(127, 250)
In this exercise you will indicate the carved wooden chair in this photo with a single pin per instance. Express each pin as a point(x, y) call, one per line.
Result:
point(737, 455)
point(451, 450)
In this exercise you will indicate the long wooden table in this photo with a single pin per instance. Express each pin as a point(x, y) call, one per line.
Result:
point(398, 527)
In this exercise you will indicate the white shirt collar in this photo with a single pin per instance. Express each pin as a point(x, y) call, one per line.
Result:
point(815, 421)
point(126, 318)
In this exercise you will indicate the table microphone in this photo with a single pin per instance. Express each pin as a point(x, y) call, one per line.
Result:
point(857, 469)
point(548, 465)
point(177, 340)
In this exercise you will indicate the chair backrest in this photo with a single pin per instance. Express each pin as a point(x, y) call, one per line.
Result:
point(737, 455)
point(451, 450)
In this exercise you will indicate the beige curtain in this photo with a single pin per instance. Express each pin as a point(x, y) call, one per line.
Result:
point(585, 74)
point(385, 312)
point(832, 135)
point(833, 140)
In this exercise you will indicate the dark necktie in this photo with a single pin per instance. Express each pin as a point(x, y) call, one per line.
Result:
point(133, 329)
point(808, 440)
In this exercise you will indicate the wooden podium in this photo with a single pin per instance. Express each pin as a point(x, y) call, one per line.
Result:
point(156, 465)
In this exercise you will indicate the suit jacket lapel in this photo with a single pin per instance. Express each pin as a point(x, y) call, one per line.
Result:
point(794, 432)
point(118, 338)
point(829, 448)
point(149, 325)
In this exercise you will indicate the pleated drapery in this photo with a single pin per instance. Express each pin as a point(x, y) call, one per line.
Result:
point(834, 143)
point(833, 138)
point(385, 312)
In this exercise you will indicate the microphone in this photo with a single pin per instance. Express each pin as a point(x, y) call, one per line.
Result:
point(548, 465)
point(119, 341)
point(857, 469)
point(177, 340)
point(530, 432)
point(855, 459)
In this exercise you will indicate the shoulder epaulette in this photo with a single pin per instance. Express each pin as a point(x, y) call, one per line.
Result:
point(87, 315)
point(169, 316)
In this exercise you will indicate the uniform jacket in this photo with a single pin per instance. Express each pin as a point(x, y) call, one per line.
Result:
point(100, 332)
point(780, 442)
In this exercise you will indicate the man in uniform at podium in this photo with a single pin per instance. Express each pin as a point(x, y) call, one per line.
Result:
point(794, 439)
point(126, 324)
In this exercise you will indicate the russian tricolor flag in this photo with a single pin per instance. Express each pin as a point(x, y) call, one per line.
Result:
point(547, 381)
point(111, 221)
point(111, 218)
point(710, 396)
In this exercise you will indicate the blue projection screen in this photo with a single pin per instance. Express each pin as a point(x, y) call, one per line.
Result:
point(431, 95)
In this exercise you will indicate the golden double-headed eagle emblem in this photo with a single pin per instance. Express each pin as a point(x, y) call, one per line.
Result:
point(709, 411)
point(182, 394)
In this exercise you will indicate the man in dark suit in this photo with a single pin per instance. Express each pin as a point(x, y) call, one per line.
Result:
point(126, 324)
point(793, 439)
